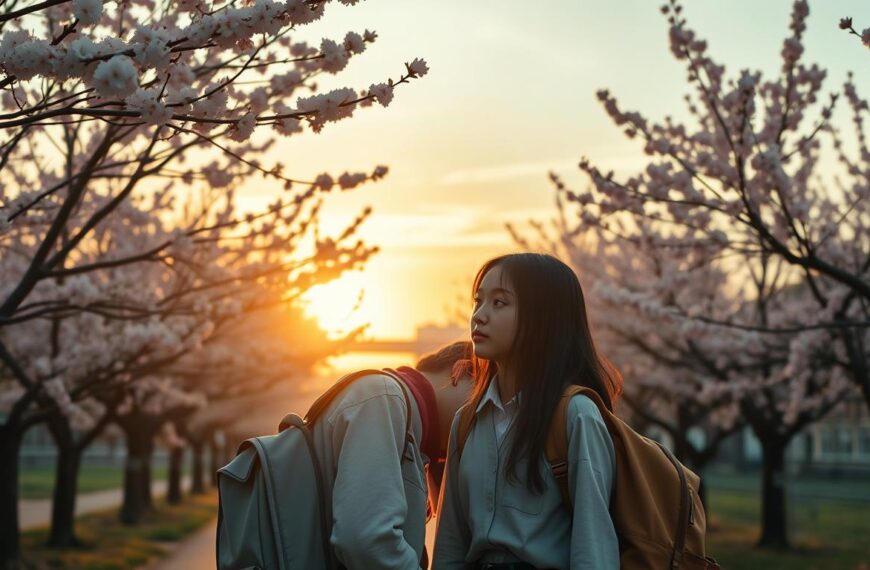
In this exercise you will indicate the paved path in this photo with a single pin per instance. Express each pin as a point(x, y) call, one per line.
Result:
point(197, 551)
point(35, 513)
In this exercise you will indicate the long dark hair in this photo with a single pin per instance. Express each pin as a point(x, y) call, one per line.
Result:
point(553, 348)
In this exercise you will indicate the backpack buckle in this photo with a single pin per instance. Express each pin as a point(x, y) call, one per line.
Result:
point(560, 469)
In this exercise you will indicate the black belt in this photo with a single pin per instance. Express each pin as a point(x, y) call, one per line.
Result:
point(504, 566)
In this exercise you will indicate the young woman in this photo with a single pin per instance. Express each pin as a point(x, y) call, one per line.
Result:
point(500, 504)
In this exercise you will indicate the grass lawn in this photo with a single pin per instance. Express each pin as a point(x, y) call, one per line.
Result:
point(827, 535)
point(38, 482)
point(109, 545)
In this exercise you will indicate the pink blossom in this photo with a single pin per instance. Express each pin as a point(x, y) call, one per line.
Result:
point(213, 106)
point(324, 182)
point(266, 17)
point(286, 83)
point(382, 92)
point(217, 177)
point(259, 100)
point(299, 12)
point(200, 31)
point(417, 68)
point(348, 181)
point(335, 57)
point(329, 107)
point(190, 5)
point(288, 126)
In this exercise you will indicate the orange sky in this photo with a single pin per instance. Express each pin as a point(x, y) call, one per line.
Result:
point(510, 95)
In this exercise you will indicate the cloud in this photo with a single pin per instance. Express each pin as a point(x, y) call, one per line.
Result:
point(619, 162)
point(507, 171)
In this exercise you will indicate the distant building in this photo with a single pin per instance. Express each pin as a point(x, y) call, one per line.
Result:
point(841, 442)
point(837, 445)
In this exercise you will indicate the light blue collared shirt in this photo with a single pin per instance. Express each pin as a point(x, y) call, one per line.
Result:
point(378, 498)
point(484, 517)
point(503, 413)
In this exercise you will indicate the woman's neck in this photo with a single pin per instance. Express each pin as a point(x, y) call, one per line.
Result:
point(507, 382)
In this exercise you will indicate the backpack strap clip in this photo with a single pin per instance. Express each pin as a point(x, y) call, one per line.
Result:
point(559, 469)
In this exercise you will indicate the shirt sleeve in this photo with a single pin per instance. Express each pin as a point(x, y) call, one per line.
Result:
point(452, 535)
point(591, 466)
point(368, 501)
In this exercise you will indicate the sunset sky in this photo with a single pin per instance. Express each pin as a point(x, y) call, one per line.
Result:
point(510, 95)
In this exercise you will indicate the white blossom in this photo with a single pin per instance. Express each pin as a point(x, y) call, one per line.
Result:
point(354, 43)
point(151, 48)
point(244, 127)
point(116, 77)
point(88, 12)
point(147, 102)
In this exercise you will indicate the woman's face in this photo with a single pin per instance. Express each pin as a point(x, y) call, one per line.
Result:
point(494, 320)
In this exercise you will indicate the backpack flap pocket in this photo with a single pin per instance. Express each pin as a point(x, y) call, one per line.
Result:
point(241, 467)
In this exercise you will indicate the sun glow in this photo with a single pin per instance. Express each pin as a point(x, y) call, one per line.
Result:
point(339, 306)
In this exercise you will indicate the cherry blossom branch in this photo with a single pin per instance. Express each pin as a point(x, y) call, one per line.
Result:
point(31, 276)
point(30, 9)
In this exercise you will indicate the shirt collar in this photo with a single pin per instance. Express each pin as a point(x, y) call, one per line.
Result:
point(492, 396)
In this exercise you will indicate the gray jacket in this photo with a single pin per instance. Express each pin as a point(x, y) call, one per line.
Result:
point(378, 502)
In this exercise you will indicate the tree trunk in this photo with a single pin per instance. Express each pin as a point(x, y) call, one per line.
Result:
point(173, 494)
point(63, 506)
point(198, 470)
point(858, 365)
point(137, 473)
point(774, 529)
point(10, 545)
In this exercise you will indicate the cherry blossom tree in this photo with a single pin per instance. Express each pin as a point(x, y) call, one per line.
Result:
point(744, 174)
point(108, 104)
point(244, 359)
point(120, 323)
point(694, 341)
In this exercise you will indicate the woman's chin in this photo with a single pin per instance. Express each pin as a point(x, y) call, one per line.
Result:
point(482, 352)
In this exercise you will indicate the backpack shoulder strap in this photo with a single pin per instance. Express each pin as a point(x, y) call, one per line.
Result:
point(320, 405)
point(408, 425)
point(556, 448)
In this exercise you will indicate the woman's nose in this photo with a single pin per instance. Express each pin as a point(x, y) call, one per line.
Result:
point(478, 317)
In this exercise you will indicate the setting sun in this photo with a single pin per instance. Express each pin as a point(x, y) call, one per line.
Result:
point(338, 306)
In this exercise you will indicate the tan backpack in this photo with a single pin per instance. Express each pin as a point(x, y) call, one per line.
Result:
point(655, 505)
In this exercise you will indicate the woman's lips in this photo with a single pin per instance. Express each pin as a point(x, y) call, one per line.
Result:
point(478, 336)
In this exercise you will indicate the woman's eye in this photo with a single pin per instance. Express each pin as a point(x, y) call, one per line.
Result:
point(499, 303)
